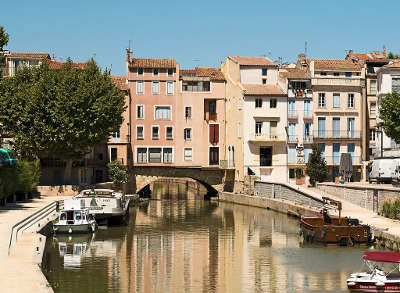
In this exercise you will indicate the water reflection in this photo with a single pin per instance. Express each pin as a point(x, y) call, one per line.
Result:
point(199, 246)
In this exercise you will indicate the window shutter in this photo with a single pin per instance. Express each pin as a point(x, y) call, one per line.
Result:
point(212, 133)
point(216, 133)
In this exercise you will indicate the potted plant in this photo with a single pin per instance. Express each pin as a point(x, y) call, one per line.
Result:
point(300, 178)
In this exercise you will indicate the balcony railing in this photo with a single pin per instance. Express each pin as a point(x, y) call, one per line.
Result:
point(339, 134)
point(293, 138)
point(292, 114)
point(335, 160)
point(267, 137)
point(341, 81)
point(300, 93)
point(307, 115)
point(226, 164)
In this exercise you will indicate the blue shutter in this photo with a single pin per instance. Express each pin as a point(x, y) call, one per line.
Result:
point(336, 153)
point(336, 127)
point(321, 127)
point(350, 150)
point(322, 148)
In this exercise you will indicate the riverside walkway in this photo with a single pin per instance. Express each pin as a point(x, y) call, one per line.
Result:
point(19, 265)
point(386, 225)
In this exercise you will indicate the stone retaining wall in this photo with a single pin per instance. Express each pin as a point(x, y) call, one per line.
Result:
point(359, 195)
point(285, 192)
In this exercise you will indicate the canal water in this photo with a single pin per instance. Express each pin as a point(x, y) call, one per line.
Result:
point(191, 245)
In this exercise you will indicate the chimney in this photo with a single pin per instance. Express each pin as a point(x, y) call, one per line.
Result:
point(301, 61)
point(128, 55)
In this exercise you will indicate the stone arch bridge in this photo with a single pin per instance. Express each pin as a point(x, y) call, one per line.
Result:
point(214, 179)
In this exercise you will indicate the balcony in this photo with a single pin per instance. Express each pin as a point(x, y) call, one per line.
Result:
point(337, 134)
point(292, 114)
point(308, 139)
point(335, 160)
point(261, 137)
point(300, 93)
point(226, 164)
point(293, 139)
point(307, 115)
point(337, 81)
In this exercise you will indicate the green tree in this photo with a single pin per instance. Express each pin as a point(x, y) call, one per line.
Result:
point(389, 112)
point(60, 113)
point(316, 166)
point(390, 55)
point(3, 42)
point(118, 173)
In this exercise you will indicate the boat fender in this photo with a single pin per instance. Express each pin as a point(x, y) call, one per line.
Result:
point(379, 284)
point(351, 284)
point(70, 231)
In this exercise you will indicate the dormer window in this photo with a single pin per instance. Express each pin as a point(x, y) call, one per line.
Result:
point(155, 71)
point(170, 72)
point(336, 74)
point(140, 71)
point(323, 73)
point(348, 74)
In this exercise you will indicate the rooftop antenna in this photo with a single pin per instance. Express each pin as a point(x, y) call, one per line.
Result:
point(129, 45)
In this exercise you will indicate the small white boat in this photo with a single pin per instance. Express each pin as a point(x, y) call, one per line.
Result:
point(75, 221)
point(377, 280)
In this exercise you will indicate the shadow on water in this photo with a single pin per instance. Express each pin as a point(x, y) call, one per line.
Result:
point(192, 245)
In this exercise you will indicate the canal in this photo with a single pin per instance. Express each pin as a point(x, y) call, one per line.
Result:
point(191, 245)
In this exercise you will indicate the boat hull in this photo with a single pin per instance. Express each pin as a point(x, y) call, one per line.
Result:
point(371, 287)
point(74, 229)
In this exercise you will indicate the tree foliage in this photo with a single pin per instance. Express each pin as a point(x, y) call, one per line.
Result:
point(3, 42)
point(118, 173)
point(316, 166)
point(60, 113)
point(389, 112)
point(391, 55)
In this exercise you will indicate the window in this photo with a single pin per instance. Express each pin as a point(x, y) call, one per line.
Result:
point(272, 129)
point(292, 155)
point(162, 113)
point(210, 110)
point(323, 73)
point(292, 173)
point(350, 127)
point(396, 85)
point(187, 134)
point(264, 71)
point(350, 101)
point(372, 87)
point(139, 112)
point(336, 100)
point(114, 154)
point(116, 134)
point(188, 112)
point(372, 110)
point(336, 127)
point(139, 87)
point(139, 132)
point(336, 74)
point(188, 154)
point(170, 71)
point(350, 149)
point(214, 156)
point(336, 153)
point(141, 155)
point(156, 87)
point(155, 132)
point(265, 156)
point(195, 86)
point(321, 100)
point(258, 128)
point(259, 103)
point(167, 155)
point(239, 130)
point(169, 132)
point(170, 87)
point(348, 74)
point(292, 132)
point(214, 133)
point(264, 81)
point(140, 71)
point(321, 127)
point(155, 71)
point(154, 155)
point(272, 103)
point(372, 134)
point(322, 148)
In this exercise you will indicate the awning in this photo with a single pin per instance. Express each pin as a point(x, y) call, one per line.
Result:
point(382, 256)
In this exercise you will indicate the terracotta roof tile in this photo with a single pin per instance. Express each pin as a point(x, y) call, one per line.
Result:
point(57, 65)
point(253, 61)
point(152, 63)
point(258, 89)
point(29, 55)
point(214, 74)
point(335, 64)
point(294, 73)
point(120, 81)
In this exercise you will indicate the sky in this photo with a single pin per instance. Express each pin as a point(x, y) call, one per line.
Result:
point(199, 33)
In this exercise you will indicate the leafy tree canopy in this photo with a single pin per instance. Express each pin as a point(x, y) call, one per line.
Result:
point(3, 42)
point(316, 166)
point(118, 173)
point(59, 113)
point(389, 112)
point(391, 55)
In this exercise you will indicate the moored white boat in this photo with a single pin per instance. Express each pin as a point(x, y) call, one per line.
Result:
point(377, 280)
point(75, 221)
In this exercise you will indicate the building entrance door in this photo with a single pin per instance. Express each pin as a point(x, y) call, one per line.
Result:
point(265, 156)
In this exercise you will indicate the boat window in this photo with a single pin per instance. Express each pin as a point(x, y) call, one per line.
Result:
point(78, 216)
point(63, 217)
point(70, 216)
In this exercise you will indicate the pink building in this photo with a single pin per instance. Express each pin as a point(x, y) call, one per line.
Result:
point(200, 127)
point(178, 117)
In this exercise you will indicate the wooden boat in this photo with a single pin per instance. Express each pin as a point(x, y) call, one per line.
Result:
point(377, 280)
point(75, 221)
point(331, 229)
